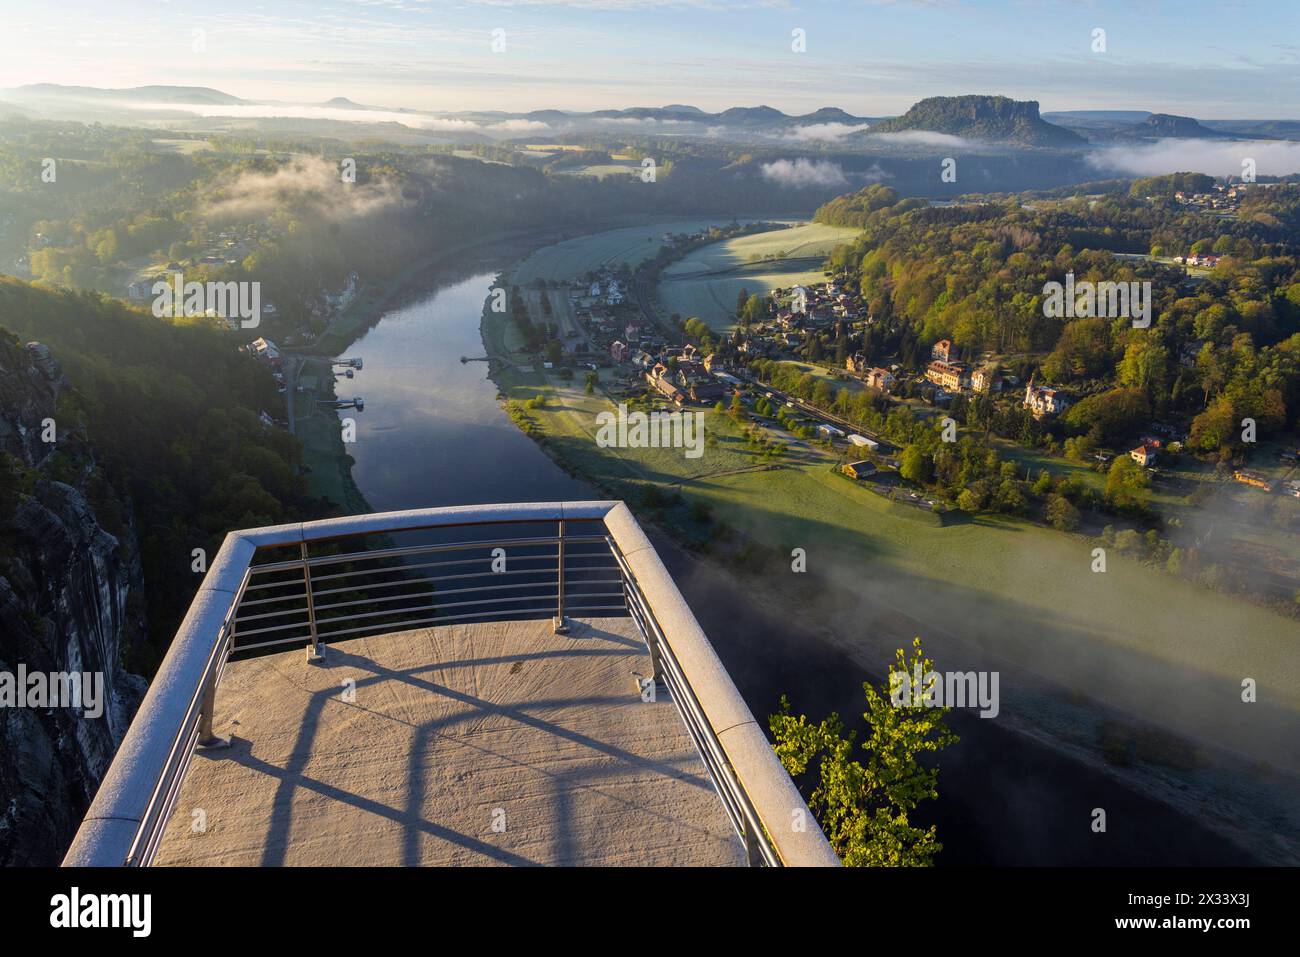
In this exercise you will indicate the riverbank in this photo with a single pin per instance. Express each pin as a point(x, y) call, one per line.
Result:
point(328, 465)
point(319, 429)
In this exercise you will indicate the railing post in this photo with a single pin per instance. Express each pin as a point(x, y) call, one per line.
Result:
point(561, 625)
point(313, 650)
point(207, 740)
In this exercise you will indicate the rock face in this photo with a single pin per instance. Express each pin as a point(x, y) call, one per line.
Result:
point(996, 119)
point(70, 601)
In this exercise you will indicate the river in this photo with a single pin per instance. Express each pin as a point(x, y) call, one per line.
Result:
point(433, 434)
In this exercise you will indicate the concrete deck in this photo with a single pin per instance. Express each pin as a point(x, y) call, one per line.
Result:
point(463, 745)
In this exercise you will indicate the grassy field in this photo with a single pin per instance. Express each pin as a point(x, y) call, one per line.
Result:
point(998, 583)
point(470, 154)
point(576, 257)
point(990, 592)
point(706, 283)
point(185, 147)
point(836, 377)
point(798, 241)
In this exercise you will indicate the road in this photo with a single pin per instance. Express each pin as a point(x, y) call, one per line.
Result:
point(291, 367)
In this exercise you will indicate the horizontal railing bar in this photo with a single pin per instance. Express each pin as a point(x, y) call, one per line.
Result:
point(240, 633)
point(422, 581)
point(398, 611)
point(402, 552)
point(432, 594)
point(295, 580)
point(407, 550)
point(483, 560)
point(379, 523)
point(269, 614)
point(548, 610)
point(548, 556)
point(297, 641)
point(271, 601)
point(551, 570)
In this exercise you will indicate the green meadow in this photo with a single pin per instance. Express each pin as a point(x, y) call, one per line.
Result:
point(707, 282)
point(574, 258)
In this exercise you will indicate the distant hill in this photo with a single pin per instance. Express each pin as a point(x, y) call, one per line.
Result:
point(343, 103)
point(547, 116)
point(143, 94)
point(830, 114)
point(751, 116)
point(997, 119)
point(1095, 119)
point(1166, 125)
point(1263, 129)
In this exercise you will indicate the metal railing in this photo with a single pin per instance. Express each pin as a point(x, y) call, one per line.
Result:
point(595, 562)
point(315, 599)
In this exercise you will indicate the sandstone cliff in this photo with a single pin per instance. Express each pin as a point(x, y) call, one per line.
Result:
point(70, 601)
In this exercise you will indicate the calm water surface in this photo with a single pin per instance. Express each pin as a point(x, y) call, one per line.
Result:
point(432, 432)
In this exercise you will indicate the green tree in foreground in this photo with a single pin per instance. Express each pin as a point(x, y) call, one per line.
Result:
point(865, 806)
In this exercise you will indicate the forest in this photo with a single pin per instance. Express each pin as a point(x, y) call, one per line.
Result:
point(1223, 345)
point(168, 414)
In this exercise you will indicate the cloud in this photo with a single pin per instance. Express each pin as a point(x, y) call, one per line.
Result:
point(519, 126)
point(1212, 157)
point(302, 111)
point(924, 138)
point(636, 121)
point(304, 183)
point(825, 131)
point(873, 175)
point(802, 173)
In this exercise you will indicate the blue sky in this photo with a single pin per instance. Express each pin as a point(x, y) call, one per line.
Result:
point(871, 57)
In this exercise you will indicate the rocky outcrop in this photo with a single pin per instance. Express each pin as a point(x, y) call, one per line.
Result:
point(70, 601)
point(994, 119)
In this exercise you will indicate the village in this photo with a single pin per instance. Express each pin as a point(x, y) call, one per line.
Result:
point(619, 332)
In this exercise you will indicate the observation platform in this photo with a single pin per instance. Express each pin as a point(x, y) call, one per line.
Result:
point(460, 745)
